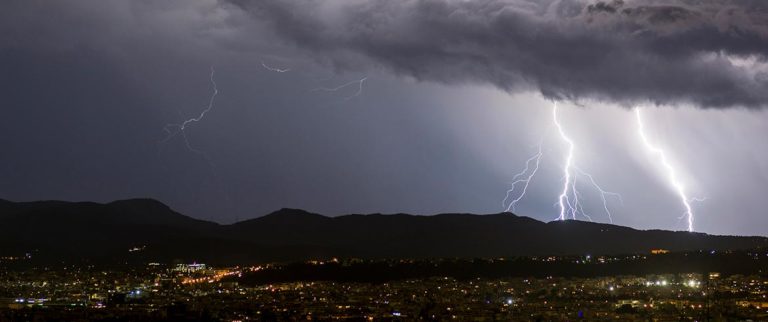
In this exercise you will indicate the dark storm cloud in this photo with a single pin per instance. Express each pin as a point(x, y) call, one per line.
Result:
point(709, 53)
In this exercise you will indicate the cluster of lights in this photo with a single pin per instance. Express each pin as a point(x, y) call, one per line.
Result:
point(211, 279)
point(136, 249)
point(657, 283)
point(30, 300)
point(690, 283)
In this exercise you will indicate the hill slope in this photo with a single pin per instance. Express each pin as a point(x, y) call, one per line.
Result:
point(75, 231)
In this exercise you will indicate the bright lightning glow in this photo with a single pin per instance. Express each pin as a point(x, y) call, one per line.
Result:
point(518, 178)
point(359, 91)
point(671, 174)
point(565, 204)
point(569, 200)
point(274, 69)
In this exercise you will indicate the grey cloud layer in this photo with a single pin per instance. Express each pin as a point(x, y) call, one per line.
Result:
point(708, 53)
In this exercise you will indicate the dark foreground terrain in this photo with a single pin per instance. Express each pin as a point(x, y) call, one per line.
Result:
point(143, 230)
point(138, 260)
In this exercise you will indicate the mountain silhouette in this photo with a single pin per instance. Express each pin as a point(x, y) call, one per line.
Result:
point(69, 231)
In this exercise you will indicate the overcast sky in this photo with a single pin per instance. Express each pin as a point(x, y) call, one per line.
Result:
point(444, 103)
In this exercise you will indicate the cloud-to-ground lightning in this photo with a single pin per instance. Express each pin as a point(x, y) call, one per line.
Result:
point(569, 199)
point(602, 192)
point(359, 91)
point(524, 178)
point(676, 184)
point(563, 199)
point(275, 69)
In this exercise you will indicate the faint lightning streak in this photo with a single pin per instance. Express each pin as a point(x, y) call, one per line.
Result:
point(183, 126)
point(603, 193)
point(563, 199)
point(174, 129)
point(274, 69)
point(671, 174)
point(525, 181)
point(579, 207)
point(359, 91)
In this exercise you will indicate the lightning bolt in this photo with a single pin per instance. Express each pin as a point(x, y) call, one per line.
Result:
point(359, 91)
point(174, 129)
point(569, 199)
point(274, 69)
point(518, 179)
point(563, 200)
point(179, 129)
point(671, 174)
point(603, 193)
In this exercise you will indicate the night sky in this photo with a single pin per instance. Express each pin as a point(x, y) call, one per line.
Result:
point(388, 106)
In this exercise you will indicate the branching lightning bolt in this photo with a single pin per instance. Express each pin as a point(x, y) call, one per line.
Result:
point(174, 129)
point(569, 199)
point(602, 192)
point(359, 91)
point(671, 174)
point(518, 179)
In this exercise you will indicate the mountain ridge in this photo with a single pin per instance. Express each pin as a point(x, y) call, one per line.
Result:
point(95, 231)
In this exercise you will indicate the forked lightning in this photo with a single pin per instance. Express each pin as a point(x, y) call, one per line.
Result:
point(569, 199)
